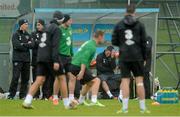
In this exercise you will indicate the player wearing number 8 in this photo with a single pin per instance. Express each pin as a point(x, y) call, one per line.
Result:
point(130, 36)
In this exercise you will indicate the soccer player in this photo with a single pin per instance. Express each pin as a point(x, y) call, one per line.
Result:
point(80, 69)
point(130, 35)
point(47, 60)
point(22, 44)
point(36, 36)
point(65, 54)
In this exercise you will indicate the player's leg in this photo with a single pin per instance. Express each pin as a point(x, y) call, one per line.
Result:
point(120, 97)
point(63, 89)
point(41, 73)
point(24, 80)
point(125, 81)
point(34, 67)
point(105, 85)
point(17, 66)
point(32, 91)
point(141, 94)
point(85, 88)
point(138, 71)
point(125, 92)
point(71, 85)
point(87, 82)
point(56, 88)
point(95, 90)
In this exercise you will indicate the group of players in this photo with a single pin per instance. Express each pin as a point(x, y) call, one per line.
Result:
point(55, 57)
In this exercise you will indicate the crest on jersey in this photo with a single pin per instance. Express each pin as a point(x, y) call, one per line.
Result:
point(129, 37)
point(27, 37)
point(43, 39)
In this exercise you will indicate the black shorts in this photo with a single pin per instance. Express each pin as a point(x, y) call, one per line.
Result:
point(105, 77)
point(65, 62)
point(87, 75)
point(136, 67)
point(44, 69)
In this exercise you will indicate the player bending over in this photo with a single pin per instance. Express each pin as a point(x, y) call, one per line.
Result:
point(80, 69)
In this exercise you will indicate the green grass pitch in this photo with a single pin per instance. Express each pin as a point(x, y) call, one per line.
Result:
point(45, 108)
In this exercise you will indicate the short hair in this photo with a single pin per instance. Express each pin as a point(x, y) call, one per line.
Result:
point(131, 8)
point(98, 33)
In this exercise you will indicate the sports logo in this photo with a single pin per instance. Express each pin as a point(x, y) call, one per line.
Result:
point(43, 39)
point(129, 36)
point(27, 37)
point(68, 41)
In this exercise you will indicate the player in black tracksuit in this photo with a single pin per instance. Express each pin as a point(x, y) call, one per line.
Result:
point(130, 36)
point(105, 65)
point(36, 36)
point(47, 58)
point(22, 43)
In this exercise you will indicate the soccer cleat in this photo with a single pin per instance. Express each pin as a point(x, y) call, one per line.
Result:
point(27, 106)
point(96, 104)
point(124, 111)
point(83, 103)
point(55, 102)
point(145, 111)
point(86, 104)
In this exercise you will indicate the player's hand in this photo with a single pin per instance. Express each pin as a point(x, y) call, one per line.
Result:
point(56, 66)
point(80, 75)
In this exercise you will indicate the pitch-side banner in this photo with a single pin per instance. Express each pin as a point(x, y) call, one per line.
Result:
point(9, 8)
point(13, 8)
point(81, 32)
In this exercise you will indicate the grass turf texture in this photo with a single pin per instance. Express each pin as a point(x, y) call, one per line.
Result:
point(45, 108)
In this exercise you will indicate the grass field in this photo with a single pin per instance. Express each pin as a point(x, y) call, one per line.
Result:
point(45, 108)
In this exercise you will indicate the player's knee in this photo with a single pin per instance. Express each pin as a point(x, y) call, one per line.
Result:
point(71, 79)
point(62, 79)
point(140, 84)
point(96, 80)
point(40, 81)
point(104, 82)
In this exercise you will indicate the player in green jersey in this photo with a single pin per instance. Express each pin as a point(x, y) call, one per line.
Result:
point(80, 69)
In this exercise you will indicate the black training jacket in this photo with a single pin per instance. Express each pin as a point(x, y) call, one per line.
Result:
point(49, 42)
point(22, 43)
point(105, 65)
point(36, 36)
point(130, 36)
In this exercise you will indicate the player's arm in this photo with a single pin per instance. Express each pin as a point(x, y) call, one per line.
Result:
point(17, 45)
point(55, 32)
point(87, 54)
point(81, 73)
point(35, 40)
point(30, 44)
